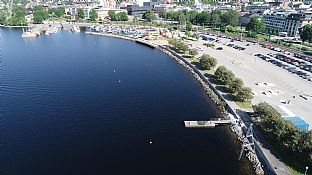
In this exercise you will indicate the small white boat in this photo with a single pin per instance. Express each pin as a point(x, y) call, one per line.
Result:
point(29, 34)
point(51, 31)
point(75, 29)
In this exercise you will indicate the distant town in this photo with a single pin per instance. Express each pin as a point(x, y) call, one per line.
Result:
point(280, 17)
point(253, 58)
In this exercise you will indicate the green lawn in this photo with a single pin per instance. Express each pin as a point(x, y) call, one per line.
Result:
point(193, 59)
point(294, 172)
point(211, 71)
point(244, 105)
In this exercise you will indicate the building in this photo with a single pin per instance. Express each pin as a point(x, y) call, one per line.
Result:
point(245, 18)
point(288, 22)
point(293, 23)
point(257, 7)
point(135, 9)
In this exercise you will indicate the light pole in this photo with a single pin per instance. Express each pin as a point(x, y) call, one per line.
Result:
point(305, 173)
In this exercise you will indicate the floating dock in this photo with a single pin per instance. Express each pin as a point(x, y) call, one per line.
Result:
point(206, 124)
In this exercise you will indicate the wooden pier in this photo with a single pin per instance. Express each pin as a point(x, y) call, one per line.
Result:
point(206, 124)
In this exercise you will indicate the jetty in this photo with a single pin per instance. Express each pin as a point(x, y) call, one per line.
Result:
point(206, 124)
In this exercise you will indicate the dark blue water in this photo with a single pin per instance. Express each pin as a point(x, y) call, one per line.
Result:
point(78, 104)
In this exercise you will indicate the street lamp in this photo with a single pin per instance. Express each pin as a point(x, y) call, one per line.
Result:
point(305, 173)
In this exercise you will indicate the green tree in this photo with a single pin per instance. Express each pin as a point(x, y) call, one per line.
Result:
point(40, 14)
point(93, 15)
point(230, 18)
point(256, 24)
point(306, 33)
point(189, 26)
point(3, 17)
point(122, 16)
point(162, 14)
point(191, 16)
point(112, 15)
point(193, 52)
point(215, 20)
point(224, 75)
point(182, 19)
point(18, 16)
point(203, 18)
point(80, 13)
point(179, 46)
point(149, 15)
point(236, 85)
point(207, 62)
point(60, 11)
point(244, 94)
point(296, 145)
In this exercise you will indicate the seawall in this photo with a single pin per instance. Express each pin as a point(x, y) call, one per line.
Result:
point(214, 95)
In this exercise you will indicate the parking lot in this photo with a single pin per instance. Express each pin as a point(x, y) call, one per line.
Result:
point(288, 92)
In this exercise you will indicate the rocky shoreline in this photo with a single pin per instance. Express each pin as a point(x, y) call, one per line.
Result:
point(210, 91)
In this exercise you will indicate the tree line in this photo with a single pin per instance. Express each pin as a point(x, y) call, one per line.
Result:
point(233, 84)
point(18, 15)
point(121, 16)
point(293, 144)
point(211, 19)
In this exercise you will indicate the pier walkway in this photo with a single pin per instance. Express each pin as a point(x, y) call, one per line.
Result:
point(206, 124)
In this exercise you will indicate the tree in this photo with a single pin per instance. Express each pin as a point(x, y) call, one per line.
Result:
point(60, 11)
point(2, 17)
point(182, 19)
point(18, 16)
point(284, 136)
point(236, 85)
point(230, 18)
point(40, 14)
point(93, 15)
point(306, 33)
point(112, 15)
point(193, 52)
point(181, 46)
point(207, 62)
point(202, 18)
point(178, 45)
point(149, 15)
point(122, 16)
point(191, 16)
point(244, 94)
point(80, 13)
point(162, 14)
point(215, 20)
point(256, 24)
point(189, 26)
point(224, 75)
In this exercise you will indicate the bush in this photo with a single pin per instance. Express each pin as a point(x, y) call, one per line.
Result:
point(224, 75)
point(207, 62)
point(179, 46)
point(244, 94)
point(236, 85)
point(193, 52)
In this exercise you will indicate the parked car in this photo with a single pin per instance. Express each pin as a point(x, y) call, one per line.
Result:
point(219, 48)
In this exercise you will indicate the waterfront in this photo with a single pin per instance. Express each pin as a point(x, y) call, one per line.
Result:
point(78, 104)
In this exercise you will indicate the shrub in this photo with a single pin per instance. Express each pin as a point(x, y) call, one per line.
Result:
point(207, 62)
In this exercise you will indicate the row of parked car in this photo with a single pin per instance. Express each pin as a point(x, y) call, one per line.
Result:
point(301, 64)
point(302, 57)
point(290, 69)
point(235, 46)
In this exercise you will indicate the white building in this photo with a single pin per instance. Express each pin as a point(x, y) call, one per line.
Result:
point(287, 21)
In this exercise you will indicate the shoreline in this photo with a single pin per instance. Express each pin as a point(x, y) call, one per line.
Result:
point(180, 60)
point(209, 89)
